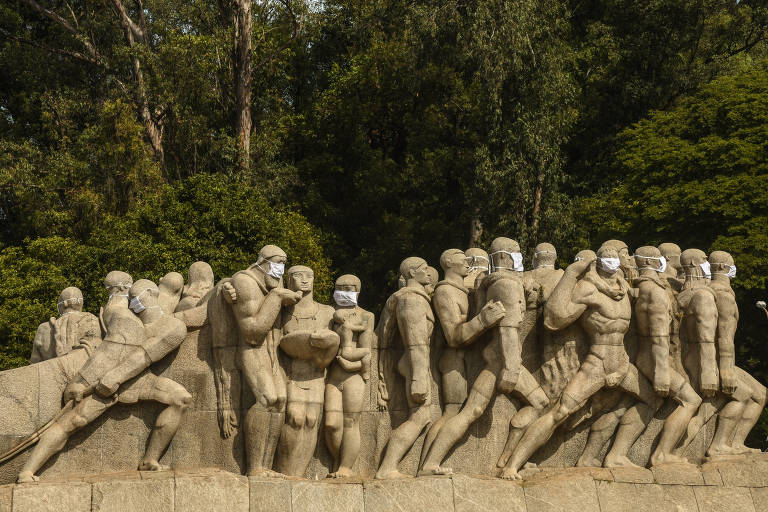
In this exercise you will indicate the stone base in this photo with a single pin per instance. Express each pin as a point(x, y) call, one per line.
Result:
point(721, 486)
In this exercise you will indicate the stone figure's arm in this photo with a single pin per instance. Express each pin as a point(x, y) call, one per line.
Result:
point(194, 317)
point(702, 321)
point(457, 330)
point(415, 331)
point(349, 366)
point(561, 309)
point(254, 312)
point(42, 333)
point(727, 319)
point(658, 323)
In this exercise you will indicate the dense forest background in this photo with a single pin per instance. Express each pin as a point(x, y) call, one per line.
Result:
point(144, 135)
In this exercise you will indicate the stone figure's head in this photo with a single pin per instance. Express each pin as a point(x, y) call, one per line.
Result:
point(271, 261)
point(118, 283)
point(672, 253)
point(70, 300)
point(608, 260)
point(544, 256)
point(622, 250)
point(505, 254)
point(454, 261)
point(143, 295)
point(585, 254)
point(346, 290)
point(434, 278)
point(300, 279)
point(695, 264)
point(401, 282)
point(721, 262)
point(479, 265)
point(649, 257)
point(171, 283)
point(415, 268)
point(199, 280)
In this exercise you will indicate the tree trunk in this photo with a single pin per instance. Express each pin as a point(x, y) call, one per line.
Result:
point(243, 79)
point(475, 230)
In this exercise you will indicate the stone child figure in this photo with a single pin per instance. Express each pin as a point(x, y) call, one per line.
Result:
point(346, 387)
point(246, 308)
point(408, 317)
point(311, 346)
point(118, 372)
point(596, 296)
point(72, 328)
point(503, 365)
point(451, 304)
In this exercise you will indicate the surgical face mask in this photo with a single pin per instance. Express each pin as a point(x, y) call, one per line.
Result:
point(705, 268)
point(345, 299)
point(731, 271)
point(517, 261)
point(276, 270)
point(136, 305)
point(610, 265)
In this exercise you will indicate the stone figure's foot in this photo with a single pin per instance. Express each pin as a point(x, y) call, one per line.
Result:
point(510, 474)
point(265, 473)
point(719, 451)
point(435, 471)
point(740, 448)
point(390, 475)
point(342, 473)
point(153, 465)
point(618, 461)
point(668, 458)
point(26, 477)
point(588, 462)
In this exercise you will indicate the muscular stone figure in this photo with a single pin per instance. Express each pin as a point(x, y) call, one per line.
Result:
point(599, 301)
point(256, 297)
point(118, 373)
point(504, 369)
point(626, 262)
point(72, 328)
point(311, 345)
point(745, 394)
point(451, 304)
point(346, 387)
point(674, 271)
point(408, 316)
point(653, 310)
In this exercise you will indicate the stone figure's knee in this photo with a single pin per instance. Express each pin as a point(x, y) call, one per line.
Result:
point(312, 417)
point(350, 420)
point(279, 403)
point(565, 408)
point(538, 399)
point(182, 398)
point(333, 421)
point(75, 422)
point(295, 415)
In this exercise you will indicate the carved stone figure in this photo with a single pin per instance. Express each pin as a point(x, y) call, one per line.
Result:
point(347, 377)
point(596, 296)
point(199, 284)
point(409, 317)
point(479, 266)
point(170, 285)
point(71, 329)
point(117, 372)
point(434, 277)
point(626, 262)
point(311, 345)
point(504, 369)
point(246, 308)
point(673, 271)
point(452, 306)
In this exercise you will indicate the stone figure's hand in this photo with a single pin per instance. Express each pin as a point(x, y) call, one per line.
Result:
point(107, 386)
point(577, 268)
point(728, 381)
point(383, 395)
point(227, 422)
point(492, 313)
point(74, 391)
point(287, 297)
point(230, 295)
point(323, 338)
point(661, 385)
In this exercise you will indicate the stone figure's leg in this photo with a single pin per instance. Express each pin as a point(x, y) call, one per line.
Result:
point(454, 382)
point(603, 429)
point(401, 440)
point(177, 398)
point(634, 421)
point(54, 439)
point(292, 435)
point(676, 423)
point(455, 428)
point(751, 413)
point(531, 392)
point(353, 398)
point(509, 341)
point(586, 382)
point(334, 423)
point(728, 418)
point(708, 408)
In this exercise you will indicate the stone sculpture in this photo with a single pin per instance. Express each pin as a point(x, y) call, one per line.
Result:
point(170, 286)
point(117, 372)
point(504, 370)
point(199, 284)
point(246, 307)
point(311, 344)
point(348, 376)
point(71, 329)
point(408, 317)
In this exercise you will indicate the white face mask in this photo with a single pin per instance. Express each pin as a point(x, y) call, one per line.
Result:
point(610, 265)
point(517, 261)
point(136, 305)
point(276, 270)
point(705, 268)
point(732, 272)
point(345, 299)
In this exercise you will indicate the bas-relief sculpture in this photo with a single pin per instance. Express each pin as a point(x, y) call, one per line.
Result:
point(645, 327)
